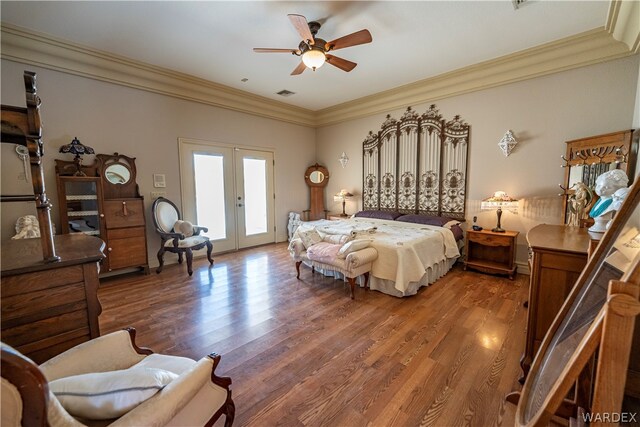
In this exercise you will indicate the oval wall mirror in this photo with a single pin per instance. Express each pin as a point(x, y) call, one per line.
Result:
point(117, 173)
point(316, 177)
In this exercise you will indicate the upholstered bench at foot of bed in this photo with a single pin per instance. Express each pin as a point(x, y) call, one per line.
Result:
point(355, 264)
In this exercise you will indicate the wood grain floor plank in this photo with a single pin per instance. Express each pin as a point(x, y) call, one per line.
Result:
point(302, 353)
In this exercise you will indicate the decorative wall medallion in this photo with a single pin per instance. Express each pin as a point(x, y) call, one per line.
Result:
point(507, 143)
point(343, 159)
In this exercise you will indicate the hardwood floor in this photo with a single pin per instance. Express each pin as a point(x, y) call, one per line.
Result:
point(301, 352)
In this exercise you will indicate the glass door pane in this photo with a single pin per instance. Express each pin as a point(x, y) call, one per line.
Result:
point(207, 185)
point(255, 195)
point(210, 203)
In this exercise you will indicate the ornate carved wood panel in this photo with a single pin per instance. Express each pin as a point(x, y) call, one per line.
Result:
point(417, 164)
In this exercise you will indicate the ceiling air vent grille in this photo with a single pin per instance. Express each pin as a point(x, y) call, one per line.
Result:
point(285, 92)
point(518, 3)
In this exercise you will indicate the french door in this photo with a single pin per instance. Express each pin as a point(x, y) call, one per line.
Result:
point(230, 191)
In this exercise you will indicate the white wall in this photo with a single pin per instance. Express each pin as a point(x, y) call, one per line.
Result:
point(112, 118)
point(543, 113)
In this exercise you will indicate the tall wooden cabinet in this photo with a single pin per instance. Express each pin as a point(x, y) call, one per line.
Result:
point(108, 204)
point(557, 256)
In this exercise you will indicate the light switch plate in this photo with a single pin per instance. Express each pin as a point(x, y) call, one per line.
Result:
point(156, 194)
point(159, 180)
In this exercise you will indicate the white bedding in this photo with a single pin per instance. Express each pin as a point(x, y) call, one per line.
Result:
point(409, 255)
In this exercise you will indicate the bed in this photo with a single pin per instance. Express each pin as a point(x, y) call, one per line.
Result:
point(414, 182)
point(410, 255)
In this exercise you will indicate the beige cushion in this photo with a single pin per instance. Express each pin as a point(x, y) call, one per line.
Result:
point(337, 239)
point(352, 246)
point(188, 242)
point(183, 227)
point(11, 405)
point(309, 237)
point(107, 395)
point(176, 364)
point(166, 216)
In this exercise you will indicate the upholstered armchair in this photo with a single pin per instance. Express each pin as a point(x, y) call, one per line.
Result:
point(196, 397)
point(177, 236)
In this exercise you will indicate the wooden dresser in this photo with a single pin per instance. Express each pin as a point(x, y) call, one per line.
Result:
point(557, 255)
point(48, 308)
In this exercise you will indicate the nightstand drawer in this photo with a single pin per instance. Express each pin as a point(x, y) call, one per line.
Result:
point(491, 239)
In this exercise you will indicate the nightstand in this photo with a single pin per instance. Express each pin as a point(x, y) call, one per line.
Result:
point(491, 252)
point(336, 216)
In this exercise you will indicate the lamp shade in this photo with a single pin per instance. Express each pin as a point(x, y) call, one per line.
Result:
point(76, 147)
point(342, 195)
point(500, 199)
point(313, 58)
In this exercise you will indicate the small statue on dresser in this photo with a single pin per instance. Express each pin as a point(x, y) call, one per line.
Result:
point(27, 227)
point(606, 185)
point(577, 204)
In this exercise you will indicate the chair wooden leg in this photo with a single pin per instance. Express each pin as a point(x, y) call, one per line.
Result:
point(179, 257)
point(189, 255)
point(298, 269)
point(352, 283)
point(366, 280)
point(209, 250)
point(230, 412)
point(160, 259)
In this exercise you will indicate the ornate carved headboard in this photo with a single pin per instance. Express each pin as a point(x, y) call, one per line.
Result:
point(417, 164)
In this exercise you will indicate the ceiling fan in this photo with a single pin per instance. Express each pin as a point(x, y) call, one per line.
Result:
point(315, 51)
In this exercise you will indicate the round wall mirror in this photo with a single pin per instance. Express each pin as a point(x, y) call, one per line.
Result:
point(316, 177)
point(117, 173)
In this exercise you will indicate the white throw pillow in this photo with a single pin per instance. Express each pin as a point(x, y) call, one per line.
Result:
point(353, 246)
point(336, 239)
point(309, 237)
point(183, 227)
point(107, 395)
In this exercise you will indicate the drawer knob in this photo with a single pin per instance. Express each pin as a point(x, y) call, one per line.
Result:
point(109, 249)
point(125, 212)
point(101, 215)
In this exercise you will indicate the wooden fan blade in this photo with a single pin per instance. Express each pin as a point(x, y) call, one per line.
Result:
point(270, 50)
point(301, 26)
point(343, 64)
point(299, 69)
point(353, 39)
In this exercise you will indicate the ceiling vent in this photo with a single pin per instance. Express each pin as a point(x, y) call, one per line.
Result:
point(285, 92)
point(518, 3)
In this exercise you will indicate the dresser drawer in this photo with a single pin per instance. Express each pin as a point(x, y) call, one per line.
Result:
point(123, 213)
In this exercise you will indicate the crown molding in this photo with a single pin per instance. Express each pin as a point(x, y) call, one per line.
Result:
point(582, 49)
point(32, 48)
point(623, 23)
point(591, 47)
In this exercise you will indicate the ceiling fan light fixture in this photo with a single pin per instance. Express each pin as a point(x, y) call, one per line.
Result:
point(314, 58)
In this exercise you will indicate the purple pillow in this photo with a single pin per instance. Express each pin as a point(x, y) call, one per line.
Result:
point(424, 219)
point(378, 215)
point(457, 232)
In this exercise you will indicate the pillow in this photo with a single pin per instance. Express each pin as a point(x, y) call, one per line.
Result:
point(378, 215)
point(183, 227)
point(107, 395)
point(353, 246)
point(457, 232)
point(309, 237)
point(337, 239)
point(439, 221)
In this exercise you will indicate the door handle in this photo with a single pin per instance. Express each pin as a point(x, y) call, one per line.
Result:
point(239, 205)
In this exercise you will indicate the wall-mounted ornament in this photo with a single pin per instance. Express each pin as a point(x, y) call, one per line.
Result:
point(507, 143)
point(343, 159)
